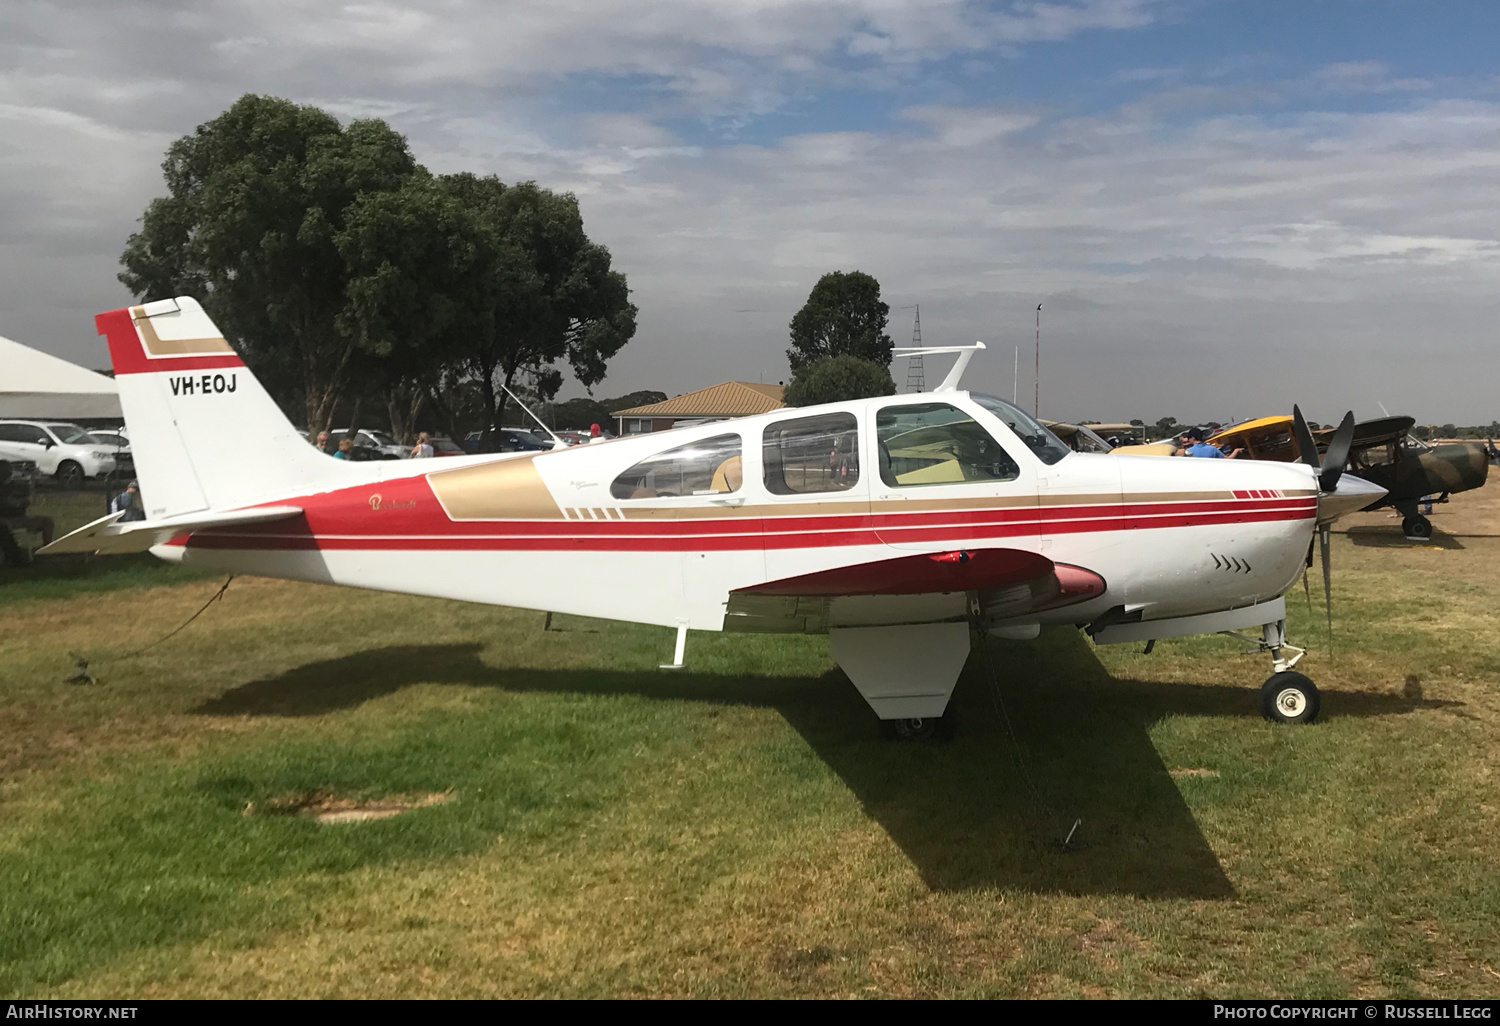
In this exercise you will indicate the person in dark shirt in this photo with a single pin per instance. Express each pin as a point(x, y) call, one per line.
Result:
point(129, 503)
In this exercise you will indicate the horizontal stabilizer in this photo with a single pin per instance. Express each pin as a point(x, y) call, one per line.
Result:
point(112, 535)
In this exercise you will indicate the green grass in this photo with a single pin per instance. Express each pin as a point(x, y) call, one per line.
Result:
point(740, 828)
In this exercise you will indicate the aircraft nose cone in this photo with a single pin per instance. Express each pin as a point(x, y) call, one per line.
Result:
point(1351, 494)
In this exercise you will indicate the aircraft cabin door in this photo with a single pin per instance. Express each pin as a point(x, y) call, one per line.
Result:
point(945, 481)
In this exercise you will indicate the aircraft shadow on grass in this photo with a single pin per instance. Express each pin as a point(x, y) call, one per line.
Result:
point(980, 811)
point(1392, 538)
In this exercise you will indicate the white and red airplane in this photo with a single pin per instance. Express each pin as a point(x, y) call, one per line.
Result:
point(896, 525)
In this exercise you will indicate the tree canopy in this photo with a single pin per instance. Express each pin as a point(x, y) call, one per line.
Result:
point(843, 316)
point(340, 265)
point(833, 379)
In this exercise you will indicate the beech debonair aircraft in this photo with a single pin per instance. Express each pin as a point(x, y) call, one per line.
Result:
point(895, 525)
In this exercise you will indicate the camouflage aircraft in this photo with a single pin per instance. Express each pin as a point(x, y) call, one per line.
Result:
point(1382, 452)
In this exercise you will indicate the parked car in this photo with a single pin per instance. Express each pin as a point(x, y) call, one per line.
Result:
point(63, 451)
point(447, 447)
point(119, 446)
point(506, 440)
point(369, 438)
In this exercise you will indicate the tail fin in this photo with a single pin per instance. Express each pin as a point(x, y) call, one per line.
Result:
point(203, 432)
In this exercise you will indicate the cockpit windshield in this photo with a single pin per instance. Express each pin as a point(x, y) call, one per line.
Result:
point(1047, 447)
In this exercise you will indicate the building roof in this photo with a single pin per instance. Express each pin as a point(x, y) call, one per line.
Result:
point(730, 399)
point(34, 384)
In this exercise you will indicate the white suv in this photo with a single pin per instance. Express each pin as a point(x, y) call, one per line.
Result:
point(64, 451)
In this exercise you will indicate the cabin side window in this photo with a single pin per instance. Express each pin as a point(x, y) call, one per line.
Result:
point(709, 466)
point(812, 454)
point(936, 444)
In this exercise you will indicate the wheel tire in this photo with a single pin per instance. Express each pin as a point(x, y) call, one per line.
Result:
point(1417, 527)
point(1289, 697)
point(69, 474)
point(921, 728)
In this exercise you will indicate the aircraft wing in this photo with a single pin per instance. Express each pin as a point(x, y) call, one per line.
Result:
point(1369, 433)
point(1011, 583)
point(110, 534)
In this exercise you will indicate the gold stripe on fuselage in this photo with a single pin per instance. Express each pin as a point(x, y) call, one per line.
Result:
point(504, 490)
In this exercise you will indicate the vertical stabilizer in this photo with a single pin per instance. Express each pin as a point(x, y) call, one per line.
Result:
point(203, 432)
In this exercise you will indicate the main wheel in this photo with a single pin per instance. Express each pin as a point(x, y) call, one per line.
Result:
point(1417, 527)
point(1289, 697)
point(69, 474)
point(920, 728)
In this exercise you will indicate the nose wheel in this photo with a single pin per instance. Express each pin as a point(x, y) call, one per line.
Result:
point(1289, 697)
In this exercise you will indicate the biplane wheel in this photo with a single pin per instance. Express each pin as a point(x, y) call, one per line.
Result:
point(1289, 697)
point(921, 728)
point(1417, 527)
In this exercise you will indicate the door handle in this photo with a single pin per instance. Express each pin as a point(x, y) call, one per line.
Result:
point(729, 502)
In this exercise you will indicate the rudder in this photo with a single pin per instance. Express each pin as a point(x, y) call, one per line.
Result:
point(204, 433)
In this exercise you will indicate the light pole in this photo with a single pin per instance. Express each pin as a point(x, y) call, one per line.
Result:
point(1036, 399)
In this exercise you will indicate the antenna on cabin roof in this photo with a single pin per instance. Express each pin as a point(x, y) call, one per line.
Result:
point(915, 379)
point(557, 443)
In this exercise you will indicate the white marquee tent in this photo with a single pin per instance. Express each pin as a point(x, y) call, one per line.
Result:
point(33, 384)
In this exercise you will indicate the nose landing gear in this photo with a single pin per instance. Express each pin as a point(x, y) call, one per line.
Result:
point(1289, 697)
point(1286, 696)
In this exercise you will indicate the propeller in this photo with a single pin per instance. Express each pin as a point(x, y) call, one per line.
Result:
point(1328, 470)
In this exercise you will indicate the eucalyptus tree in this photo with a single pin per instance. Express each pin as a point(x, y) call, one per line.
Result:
point(843, 316)
point(256, 203)
point(549, 294)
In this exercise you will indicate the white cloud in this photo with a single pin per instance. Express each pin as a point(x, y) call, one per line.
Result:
point(1191, 251)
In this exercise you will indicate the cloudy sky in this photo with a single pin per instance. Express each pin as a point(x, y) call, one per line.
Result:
point(1224, 207)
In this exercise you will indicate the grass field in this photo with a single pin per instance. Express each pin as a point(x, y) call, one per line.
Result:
point(587, 825)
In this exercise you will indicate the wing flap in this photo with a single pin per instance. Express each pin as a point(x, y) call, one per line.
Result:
point(111, 534)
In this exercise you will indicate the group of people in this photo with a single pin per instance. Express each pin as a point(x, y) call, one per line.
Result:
point(1194, 445)
point(345, 450)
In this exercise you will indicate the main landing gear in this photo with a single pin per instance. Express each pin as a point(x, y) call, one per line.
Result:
point(906, 672)
point(1416, 527)
point(1286, 696)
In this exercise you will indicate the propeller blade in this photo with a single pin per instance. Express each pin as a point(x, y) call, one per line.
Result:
point(1307, 449)
point(1325, 532)
point(1337, 454)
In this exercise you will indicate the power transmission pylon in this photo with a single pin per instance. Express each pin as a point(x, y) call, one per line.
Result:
point(914, 378)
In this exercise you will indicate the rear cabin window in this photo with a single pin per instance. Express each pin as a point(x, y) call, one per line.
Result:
point(935, 444)
point(812, 454)
point(710, 466)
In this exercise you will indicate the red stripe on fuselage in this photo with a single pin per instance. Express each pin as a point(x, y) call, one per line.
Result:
point(857, 532)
